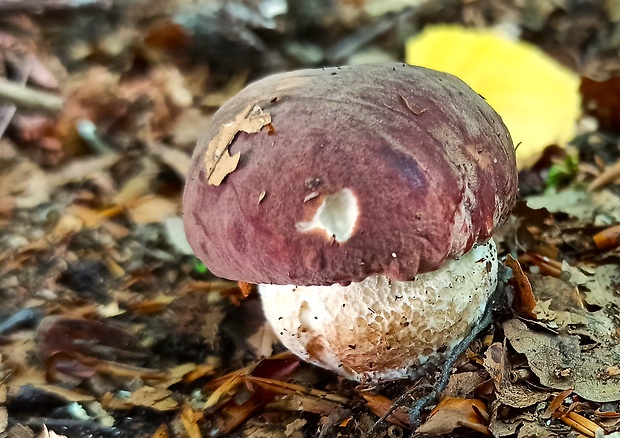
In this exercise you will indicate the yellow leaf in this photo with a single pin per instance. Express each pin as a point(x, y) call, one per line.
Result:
point(537, 98)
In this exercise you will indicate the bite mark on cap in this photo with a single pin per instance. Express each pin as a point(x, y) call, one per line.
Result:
point(336, 216)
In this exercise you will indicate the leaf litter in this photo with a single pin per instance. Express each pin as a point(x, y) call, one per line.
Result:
point(111, 327)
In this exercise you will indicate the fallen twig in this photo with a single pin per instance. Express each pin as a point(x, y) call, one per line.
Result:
point(27, 98)
point(609, 175)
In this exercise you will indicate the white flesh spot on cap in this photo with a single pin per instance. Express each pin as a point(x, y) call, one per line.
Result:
point(381, 328)
point(336, 216)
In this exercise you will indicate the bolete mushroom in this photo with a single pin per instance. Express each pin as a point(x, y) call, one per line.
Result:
point(362, 201)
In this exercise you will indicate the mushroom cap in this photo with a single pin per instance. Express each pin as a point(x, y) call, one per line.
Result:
point(424, 165)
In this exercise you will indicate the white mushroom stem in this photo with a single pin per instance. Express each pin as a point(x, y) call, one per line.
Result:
point(380, 328)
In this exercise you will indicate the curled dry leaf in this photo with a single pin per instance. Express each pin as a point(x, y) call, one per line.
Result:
point(524, 301)
point(558, 302)
point(560, 362)
point(453, 413)
point(304, 403)
point(218, 161)
point(465, 384)
point(152, 209)
point(556, 403)
point(281, 387)
point(384, 407)
point(153, 397)
point(89, 338)
point(190, 420)
point(245, 288)
point(241, 393)
point(262, 341)
point(515, 394)
point(23, 185)
point(82, 348)
point(275, 367)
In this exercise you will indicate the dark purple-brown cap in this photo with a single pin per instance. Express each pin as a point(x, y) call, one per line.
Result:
point(417, 163)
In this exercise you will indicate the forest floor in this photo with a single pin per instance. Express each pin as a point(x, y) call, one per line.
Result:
point(110, 327)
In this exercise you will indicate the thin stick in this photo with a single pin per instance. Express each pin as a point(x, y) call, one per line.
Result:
point(26, 98)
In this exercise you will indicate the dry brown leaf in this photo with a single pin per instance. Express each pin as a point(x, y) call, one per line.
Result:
point(24, 185)
point(149, 307)
point(187, 373)
point(608, 176)
point(199, 372)
point(245, 288)
point(531, 428)
point(305, 403)
point(601, 287)
point(465, 384)
point(262, 341)
point(152, 209)
point(524, 301)
point(81, 169)
point(45, 433)
point(17, 356)
point(136, 187)
point(218, 161)
point(161, 432)
point(4, 419)
point(95, 219)
point(380, 406)
point(227, 387)
point(556, 403)
point(188, 128)
point(176, 159)
point(67, 224)
point(281, 387)
point(190, 421)
point(20, 431)
point(153, 397)
point(558, 302)
point(560, 362)
point(515, 394)
point(453, 413)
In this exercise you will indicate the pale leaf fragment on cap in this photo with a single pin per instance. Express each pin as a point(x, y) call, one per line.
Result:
point(218, 161)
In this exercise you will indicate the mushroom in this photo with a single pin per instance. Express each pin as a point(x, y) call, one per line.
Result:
point(362, 201)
